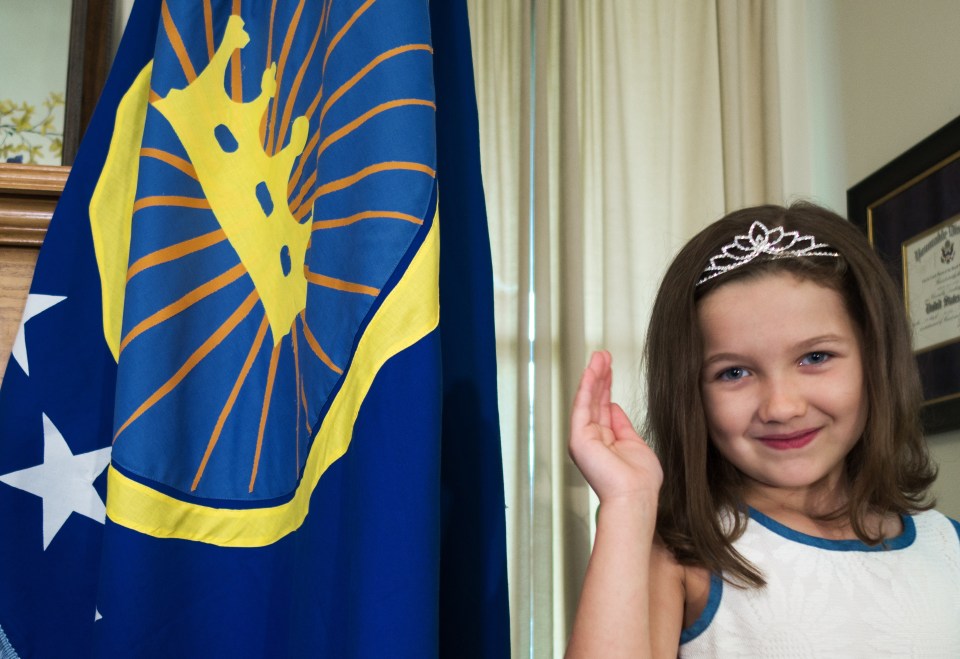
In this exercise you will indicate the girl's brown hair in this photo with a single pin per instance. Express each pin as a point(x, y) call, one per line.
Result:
point(889, 470)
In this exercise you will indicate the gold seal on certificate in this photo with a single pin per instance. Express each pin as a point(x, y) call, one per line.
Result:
point(931, 281)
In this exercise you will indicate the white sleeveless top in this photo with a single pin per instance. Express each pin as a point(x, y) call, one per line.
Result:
point(837, 598)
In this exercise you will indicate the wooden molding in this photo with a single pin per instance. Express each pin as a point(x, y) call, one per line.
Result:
point(28, 195)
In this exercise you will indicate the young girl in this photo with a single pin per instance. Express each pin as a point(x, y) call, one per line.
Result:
point(785, 511)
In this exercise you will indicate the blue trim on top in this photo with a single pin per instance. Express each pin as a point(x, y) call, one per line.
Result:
point(956, 526)
point(706, 616)
point(902, 541)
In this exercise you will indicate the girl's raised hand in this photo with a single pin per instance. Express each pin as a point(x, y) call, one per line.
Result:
point(613, 458)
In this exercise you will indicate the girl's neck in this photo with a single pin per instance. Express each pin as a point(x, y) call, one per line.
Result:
point(821, 513)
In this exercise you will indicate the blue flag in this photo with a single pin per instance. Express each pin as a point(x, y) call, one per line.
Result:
point(251, 409)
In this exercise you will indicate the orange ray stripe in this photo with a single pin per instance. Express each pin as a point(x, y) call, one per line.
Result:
point(208, 24)
point(365, 215)
point(154, 96)
point(318, 351)
point(281, 65)
point(342, 31)
point(268, 394)
point(340, 184)
point(174, 36)
point(296, 372)
point(339, 284)
point(311, 145)
point(184, 202)
point(302, 160)
point(198, 356)
point(342, 132)
point(314, 103)
point(304, 189)
point(306, 419)
point(366, 116)
point(303, 393)
point(325, 15)
point(187, 301)
point(359, 75)
point(236, 70)
point(266, 113)
point(273, 13)
point(231, 400)
point(295, 88)
point(174, 252)
point(236, 79)
point(184, 166)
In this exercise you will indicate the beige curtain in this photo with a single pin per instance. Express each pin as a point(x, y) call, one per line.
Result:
point(611, 131)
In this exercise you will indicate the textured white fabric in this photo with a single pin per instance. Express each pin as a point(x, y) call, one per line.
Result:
point(840, 598)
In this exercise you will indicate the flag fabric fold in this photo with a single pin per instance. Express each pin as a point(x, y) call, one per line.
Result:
point(251, 408)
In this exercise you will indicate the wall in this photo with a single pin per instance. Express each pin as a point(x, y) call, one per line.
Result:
point(889, 79)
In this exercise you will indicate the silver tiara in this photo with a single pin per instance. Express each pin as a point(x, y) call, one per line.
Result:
point(775, 243)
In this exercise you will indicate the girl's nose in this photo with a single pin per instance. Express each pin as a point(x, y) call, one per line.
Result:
point(780, 402)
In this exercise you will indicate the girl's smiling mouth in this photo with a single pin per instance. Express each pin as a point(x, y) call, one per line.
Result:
point(788, 441)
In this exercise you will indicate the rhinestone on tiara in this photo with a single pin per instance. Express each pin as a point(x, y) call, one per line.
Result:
point(775, 243)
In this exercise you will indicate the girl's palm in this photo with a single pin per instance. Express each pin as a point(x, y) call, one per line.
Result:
point(603, 443)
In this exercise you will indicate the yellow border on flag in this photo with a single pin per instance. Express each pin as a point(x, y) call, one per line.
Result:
point(410, 312)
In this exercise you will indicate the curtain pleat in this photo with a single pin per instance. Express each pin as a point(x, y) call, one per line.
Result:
point(749, 93)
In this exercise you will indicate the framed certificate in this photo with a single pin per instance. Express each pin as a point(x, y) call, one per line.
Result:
point(910, 210)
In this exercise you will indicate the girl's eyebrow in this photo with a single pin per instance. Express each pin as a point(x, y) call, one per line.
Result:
point(723, 357)
point(821, 339)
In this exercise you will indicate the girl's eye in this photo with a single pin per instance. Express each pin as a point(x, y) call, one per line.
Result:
point(815, 358)
point(732, 374)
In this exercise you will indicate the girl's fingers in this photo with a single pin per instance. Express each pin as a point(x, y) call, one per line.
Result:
point(607, 382)
point(586, 405)
point(622, 427)
point(592, 391)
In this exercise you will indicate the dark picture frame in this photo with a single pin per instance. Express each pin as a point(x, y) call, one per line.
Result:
point(91, 52)
point(910, 208)
point(29, 193)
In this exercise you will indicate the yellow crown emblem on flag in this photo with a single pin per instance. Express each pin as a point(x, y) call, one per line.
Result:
point(246, 187)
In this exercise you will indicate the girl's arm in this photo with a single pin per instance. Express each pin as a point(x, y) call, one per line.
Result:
point(614, 615)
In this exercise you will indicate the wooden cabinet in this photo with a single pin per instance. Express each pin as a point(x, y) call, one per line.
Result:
point(28, 195)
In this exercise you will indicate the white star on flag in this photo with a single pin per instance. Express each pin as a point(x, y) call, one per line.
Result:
point(64, 481)
point(36, 304)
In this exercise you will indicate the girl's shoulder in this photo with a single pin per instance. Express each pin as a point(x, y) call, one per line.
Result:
point(697, 584)
point(934, 518)
point(679, 593)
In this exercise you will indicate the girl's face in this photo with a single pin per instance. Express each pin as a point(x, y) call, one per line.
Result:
point(782, 381)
